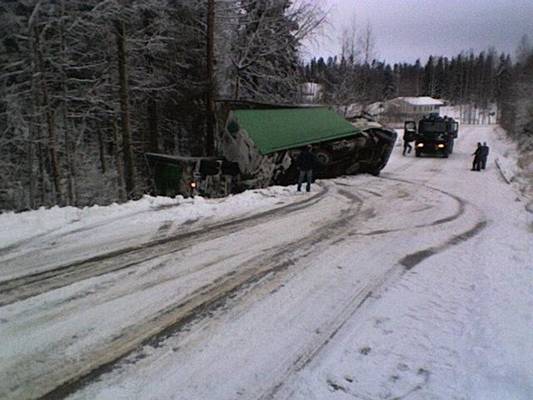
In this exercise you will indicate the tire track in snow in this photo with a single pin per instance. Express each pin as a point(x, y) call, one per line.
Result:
point(359, 301)
point(461, 209)
point(393, 275)
point(21, 288)
point(29, 240)
point(411, 260)
point(202, 304)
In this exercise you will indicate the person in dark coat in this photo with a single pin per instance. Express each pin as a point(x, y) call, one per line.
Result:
point(305, 162)
point(484, 154)
point(407, 139)
point(476, 164)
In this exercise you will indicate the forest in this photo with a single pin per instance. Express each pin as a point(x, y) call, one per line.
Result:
point(87, 87)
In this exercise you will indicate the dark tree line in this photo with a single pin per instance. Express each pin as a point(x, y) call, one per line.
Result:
point(466, 78)
point(88, 86)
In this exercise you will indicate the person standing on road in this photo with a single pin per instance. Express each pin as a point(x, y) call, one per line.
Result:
point(305, 162)
point(484, 154)
point(476, 164)
point(407, 139)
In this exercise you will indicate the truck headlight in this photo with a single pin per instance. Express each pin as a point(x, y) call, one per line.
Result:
point(420, 145)
point(440, 146)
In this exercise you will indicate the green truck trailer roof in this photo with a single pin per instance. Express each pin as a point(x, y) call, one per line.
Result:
point(280, 129)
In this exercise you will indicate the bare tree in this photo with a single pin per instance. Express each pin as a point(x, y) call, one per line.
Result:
point(349, 39)
point(264, 57)
point(367, 45)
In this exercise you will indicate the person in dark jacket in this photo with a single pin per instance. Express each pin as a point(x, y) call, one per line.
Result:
point(305, 162)
point(476, 164)
point(484, 154)
point(407, 139)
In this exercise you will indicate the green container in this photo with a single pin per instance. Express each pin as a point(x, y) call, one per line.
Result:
point(167, 178)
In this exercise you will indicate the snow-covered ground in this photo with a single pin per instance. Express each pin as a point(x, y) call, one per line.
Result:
point(414, 285)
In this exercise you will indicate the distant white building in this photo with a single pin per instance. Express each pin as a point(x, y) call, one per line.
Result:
point(416, 105)
point(409, 108)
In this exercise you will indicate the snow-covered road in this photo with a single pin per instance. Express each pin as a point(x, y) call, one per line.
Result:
point(417, 285)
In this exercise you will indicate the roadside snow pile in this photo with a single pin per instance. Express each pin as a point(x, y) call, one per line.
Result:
point(507, 168)
point(139, 214)
point(515, 161)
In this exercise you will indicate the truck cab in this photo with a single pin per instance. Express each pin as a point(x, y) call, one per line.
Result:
point(435, 135)
point(191, 176)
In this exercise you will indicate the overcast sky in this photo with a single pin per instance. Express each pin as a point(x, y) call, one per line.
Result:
point(405, 30)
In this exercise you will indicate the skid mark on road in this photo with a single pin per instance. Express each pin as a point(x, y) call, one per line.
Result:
point(163, 230)
point(16, 245)
point(348, 195)
point(372, 192)
point(413, 259)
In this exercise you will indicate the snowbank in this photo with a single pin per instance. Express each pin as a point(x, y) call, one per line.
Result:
point(148, 211)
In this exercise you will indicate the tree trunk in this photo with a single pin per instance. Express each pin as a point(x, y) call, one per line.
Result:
point(153, 126)
point(127, 148)
point(50, 124)
point(66, 124)
point(31, 185)
point(101, 151)
point(42, 182)
point(118, 162)
point(210, 98)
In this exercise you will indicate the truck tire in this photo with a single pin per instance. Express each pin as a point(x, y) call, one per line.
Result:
point(374, 171)
point(417, 153)
point(323, 156)
point(371, 169)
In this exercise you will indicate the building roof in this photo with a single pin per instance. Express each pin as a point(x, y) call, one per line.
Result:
point(422, 101)
point(280, 129)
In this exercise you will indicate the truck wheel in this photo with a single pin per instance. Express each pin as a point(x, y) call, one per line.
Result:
point(323, 156)
point(417, 153)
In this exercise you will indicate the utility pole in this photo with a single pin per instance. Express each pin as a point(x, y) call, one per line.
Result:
point(210, 97)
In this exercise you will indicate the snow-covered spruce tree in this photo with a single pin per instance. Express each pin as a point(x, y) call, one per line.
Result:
point(30, 148)
point(61, 74)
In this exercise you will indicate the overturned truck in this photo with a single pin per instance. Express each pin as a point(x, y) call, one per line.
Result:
point(264, 142)
point(257, 145)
